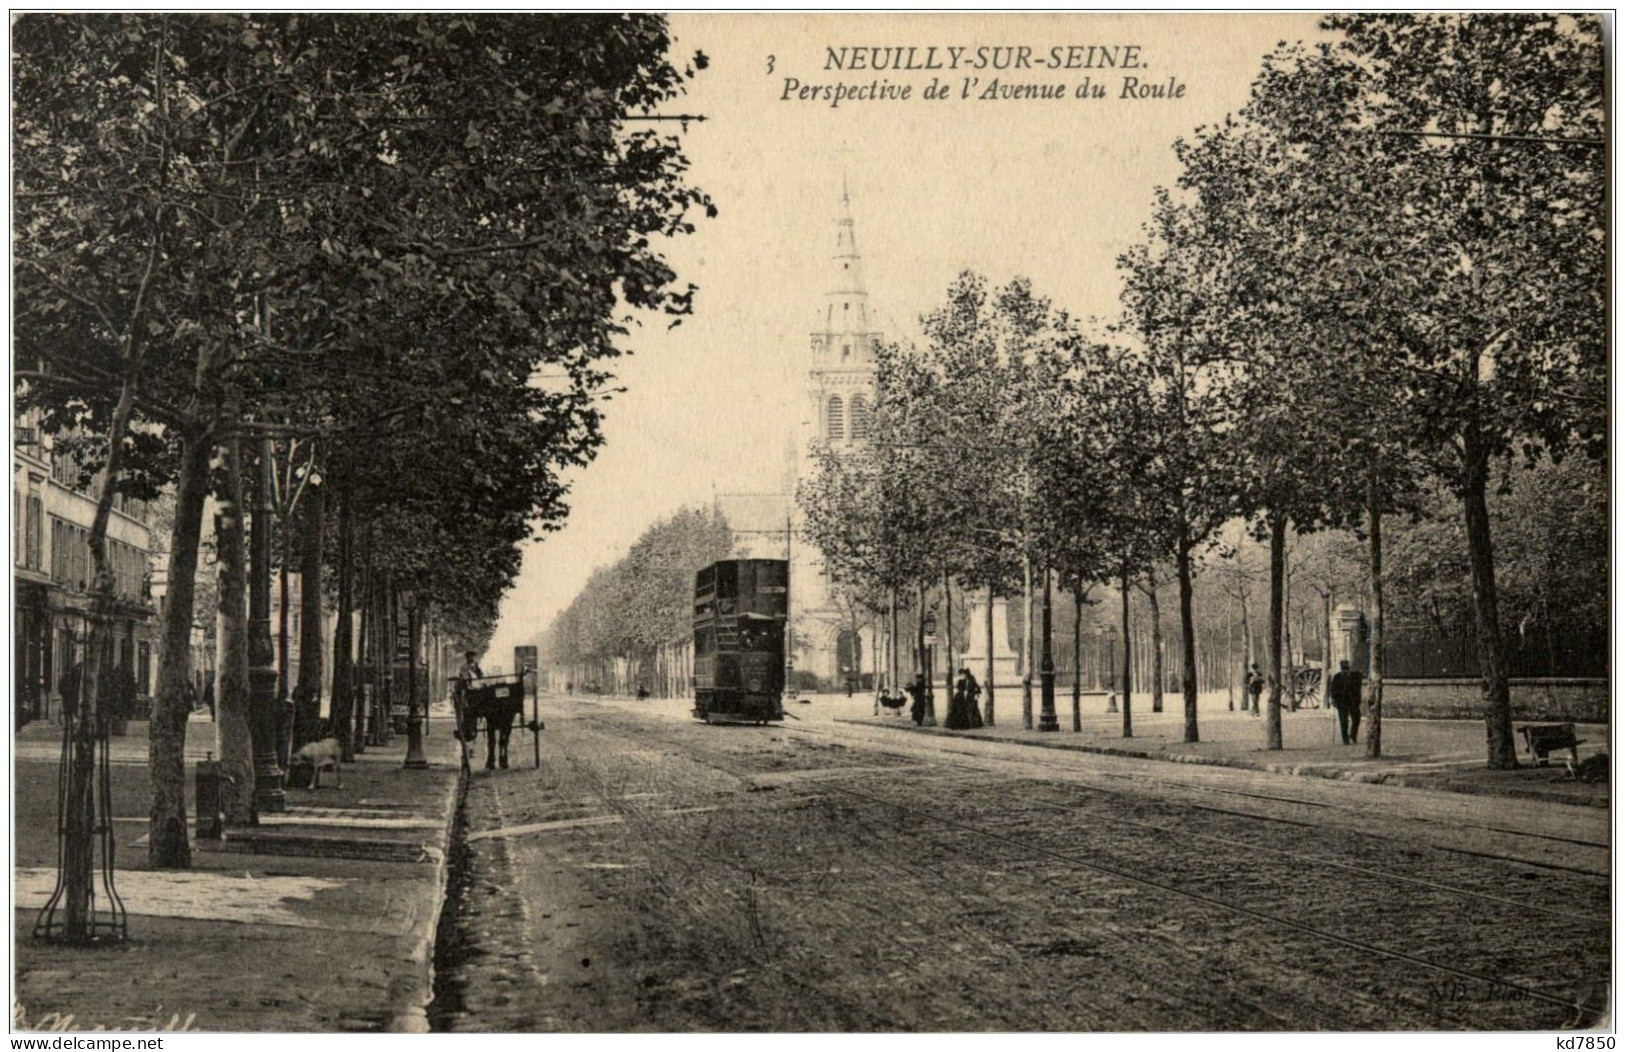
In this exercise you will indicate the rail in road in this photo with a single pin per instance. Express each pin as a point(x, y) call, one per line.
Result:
point(1555, 836)
point(1109, 796)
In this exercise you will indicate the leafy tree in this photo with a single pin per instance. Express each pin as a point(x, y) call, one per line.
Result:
point(1169, 302)
point(1497, 250)
point(347, 226)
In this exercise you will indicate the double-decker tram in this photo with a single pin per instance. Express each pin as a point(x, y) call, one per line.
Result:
point(740, 610)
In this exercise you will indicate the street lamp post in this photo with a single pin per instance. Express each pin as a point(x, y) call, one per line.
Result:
point(928, 638)
point(1108, 637)
point(1047, 720)
point(415, 716)
point(262, 676)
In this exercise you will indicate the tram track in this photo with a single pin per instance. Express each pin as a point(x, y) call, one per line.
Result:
point(871, 861)
point(1051, 764)
point(741, 767)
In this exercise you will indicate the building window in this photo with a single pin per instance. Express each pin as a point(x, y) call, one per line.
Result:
point(862, 418)
point(835, 419)
point(33, 555)
point(144, 673)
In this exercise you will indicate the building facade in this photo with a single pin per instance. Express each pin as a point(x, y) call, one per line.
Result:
point(52, 573)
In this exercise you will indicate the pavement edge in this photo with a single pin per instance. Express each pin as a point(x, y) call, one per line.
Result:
point(1327, 772)
point(410, 998)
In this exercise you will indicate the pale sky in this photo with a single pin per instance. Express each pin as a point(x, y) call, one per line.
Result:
point(1049, 189)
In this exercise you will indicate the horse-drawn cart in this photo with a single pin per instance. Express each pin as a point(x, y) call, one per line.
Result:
point(497, 701)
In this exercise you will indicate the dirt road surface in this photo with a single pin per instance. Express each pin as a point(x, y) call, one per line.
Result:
point(658, 874)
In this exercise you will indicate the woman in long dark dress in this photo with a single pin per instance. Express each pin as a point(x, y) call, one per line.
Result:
point(973, 696)
point(916, 690)
point(957, 719)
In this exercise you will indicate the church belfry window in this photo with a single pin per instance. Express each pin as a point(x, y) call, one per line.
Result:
point(835, 419)
point(862, 418)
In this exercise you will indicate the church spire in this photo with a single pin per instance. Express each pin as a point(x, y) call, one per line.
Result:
point(845, 335)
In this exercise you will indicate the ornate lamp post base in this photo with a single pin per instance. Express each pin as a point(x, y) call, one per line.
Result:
point(1047, 720)
point(415, 759)
point(269, 798)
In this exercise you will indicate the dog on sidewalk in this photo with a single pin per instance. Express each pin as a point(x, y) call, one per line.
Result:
point(321, 755)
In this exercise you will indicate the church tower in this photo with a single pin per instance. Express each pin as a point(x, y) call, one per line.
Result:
point(837, 413)
point(841, 375)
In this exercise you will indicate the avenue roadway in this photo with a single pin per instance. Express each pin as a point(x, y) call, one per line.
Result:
point(657, 874)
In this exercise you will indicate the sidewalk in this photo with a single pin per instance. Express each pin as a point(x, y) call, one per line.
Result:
point(1432, 754)
point(320, 919)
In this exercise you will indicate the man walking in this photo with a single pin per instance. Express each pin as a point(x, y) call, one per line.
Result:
point(1255, 686)
point(1345, 692)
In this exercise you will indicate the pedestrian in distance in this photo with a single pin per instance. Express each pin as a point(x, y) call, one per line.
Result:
point(957, 719)
point(973, 698)
point(1345, 691)
point(1255, 686)
point(916, 690)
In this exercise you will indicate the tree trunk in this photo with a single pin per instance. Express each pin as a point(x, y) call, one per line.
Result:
point(307, 720)
point(80, 812)
point(366, 716)
point(367, 628)
point(1249, 701)
point(1187, 631)
point(389, 623)
point(1077, 659)
point(232, 704)
point(1027, 645)
point(1290, 696)
point(282, 655)
point(1328, 601)
point(1272, 718)
point(948, 633)
point(1373, 504)
point(1229, 671)
point(167, 844)
point(894, 686)
point(343, 643)
point(1156, 639)
point(1486, 606)
point(1128, 658)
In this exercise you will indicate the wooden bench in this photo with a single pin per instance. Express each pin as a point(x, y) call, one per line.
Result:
point(1540, 739)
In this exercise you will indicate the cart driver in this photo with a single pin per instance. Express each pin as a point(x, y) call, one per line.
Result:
point(469, 672)
point(466, 677)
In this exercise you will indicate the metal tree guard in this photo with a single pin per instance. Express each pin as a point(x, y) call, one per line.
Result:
point(75, 914)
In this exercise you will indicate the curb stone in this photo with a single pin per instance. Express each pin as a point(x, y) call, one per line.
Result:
point(410, 994)
point(1392, 778)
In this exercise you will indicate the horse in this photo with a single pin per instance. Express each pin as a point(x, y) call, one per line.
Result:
point(497, 704)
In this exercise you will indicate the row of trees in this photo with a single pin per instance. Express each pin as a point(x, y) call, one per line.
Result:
point(1384, 276)
point(409, 242)
point(613, 630)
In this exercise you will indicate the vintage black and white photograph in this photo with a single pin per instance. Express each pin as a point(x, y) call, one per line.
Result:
point(811, 523)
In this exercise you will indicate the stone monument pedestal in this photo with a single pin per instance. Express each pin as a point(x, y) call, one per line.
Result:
point(975, 656)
